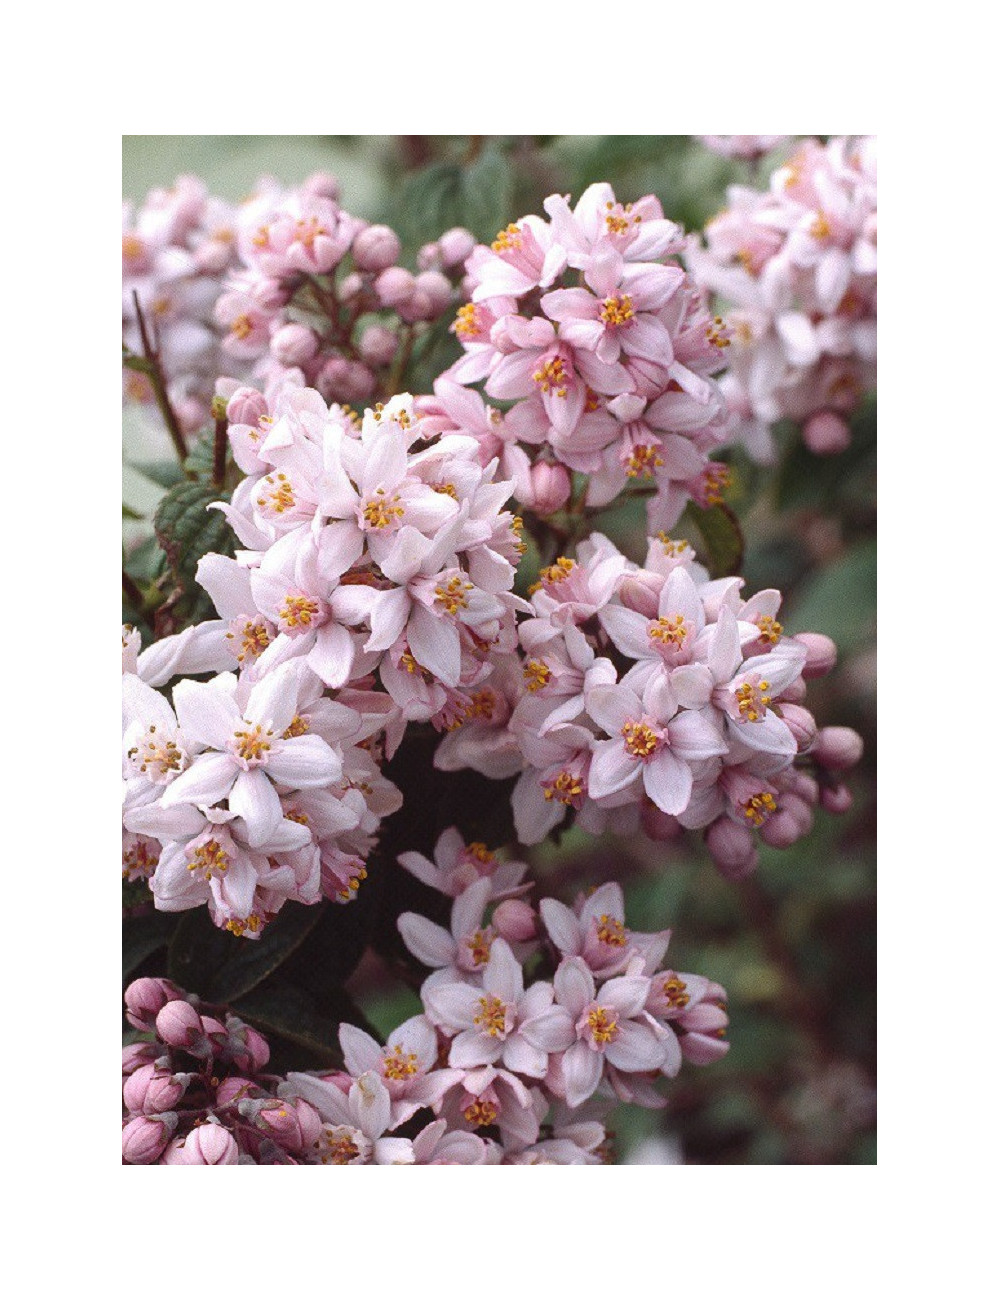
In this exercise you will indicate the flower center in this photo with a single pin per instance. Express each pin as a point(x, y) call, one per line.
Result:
point(671, 629)
point(397, 1064)
point(138, 861)
point(552, 376)
point(716, 479)
point(481, 1113)
point(239, 927)
point(670, 547)
point(553, 574)
point(770, 628)
point(253, 744)
point(492, 1017)
point(297, 727)
point(298, 613)
point(507, 241)
point(280, 498)
point(451, 595)
point(479, 945)
point(617, 310)
point(820, 228)
point(381, 511)
point(336, 1147)
point(242, 326)
point(536, 674)
point(611, 931)
point(211, 859)
point(308, 230)
point(673, 991)
point(718, 332)
point(155, 756)
point(643, 460)
point(566, 787)
point(759, 807)
point(255, 640)
point(752, 702)
point(602, 1025)
point(618, 218)
point(641, 741)
point(466, 321)
point(478, 850)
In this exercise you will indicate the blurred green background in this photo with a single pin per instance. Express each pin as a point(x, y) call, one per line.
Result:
point(795, 946)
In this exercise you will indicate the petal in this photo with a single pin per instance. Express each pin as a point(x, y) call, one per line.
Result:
point(255, 799)
point(667, 781)
point(209, 779)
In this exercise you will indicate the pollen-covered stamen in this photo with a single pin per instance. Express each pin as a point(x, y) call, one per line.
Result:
point(140, 859)
point(211, 859)
point(536, 673)
point(408, 662)
point(618, 219)
point(770, 628)
point(254, 640)
point(354, 882)
point(446, 489)
point(251, 923)
point(820, 226)
point(718, 332)
point(242, 326)
point(509, 240)
point(673, 991)
point(336, 1146)
point(602, 1025)
point(565, 787)
point(611, 931)
point(479, 945)
point(298, 613)
point(308, 230)
point(478, 850)
point(492, 1018)
point(617, 310)
point(298, 726)
point(482, 704)
point(156, 756)
point(481, 1113)
point(253, 744)
point(716, 480)
point(751, 701)
point(399, 1064)
point(280, 496)
point(467, 321)
point(641, 741)
point(670, 547)
point(643, 460)
point(553, 574)
point(451, 595)
point(551, 377)
point(670, 629)
point(381, 510)
point(263, 237)
point(517, 528)
point(759, 807)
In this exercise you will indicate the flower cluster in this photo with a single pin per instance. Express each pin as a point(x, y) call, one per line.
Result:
point(652, 697)
point(601, 349)
point(796, 266)
point(284, 284)
point(751, 147)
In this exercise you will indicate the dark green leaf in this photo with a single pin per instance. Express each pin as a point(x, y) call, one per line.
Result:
point(164, 472)
point(839, 600)
point(221, 966)
point(291, 1013)
point(142, 936)
point(129, 513)
point(721, 534)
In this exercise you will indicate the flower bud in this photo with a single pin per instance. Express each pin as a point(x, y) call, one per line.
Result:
point(358, 383)
point(515, 920)
point(332, 378)
point(246, 406)
point(783, 828)
point(826, 434)
point(190, 413)
point(144, 1137)
point(550, 487)
point(837, 748)
point(836, 799)
point(293, 1123)
point(208, 1144)
point(270, 295)
point(247, 1048)
point(801, 723)
point(395, 286)
point(437, 288)
point(641, 592)
point(212, 257)
point(323, 185)
point(794, 692)
point(350, 286)
point(429, 257)
point(455, 246)
point(145, 998)
point(294, 345)
point(137, 1055)
point(152, 1089)
point(821, 654)
point(235, 1089)
point(375, 248)
point(803, 785)
point(378, 345)
point(732, 848)
point(657, 824)
point(179, 1024)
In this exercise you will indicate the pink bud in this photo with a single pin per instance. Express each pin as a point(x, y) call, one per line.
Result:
point(375, 248)
point(800, 722)
point(293, 1124)
point(138, 1054)
point(782, 829)
point(152, 1089)
point(208, 1144)
point(837, 748)
point(395, 286)
point(332, 378)
point(323, 185)
point(821, 654)
point(659, 825)
point(826, 434)
point(641, 592)
point(294, 345)
point(703, 1049)
point(212, 257)
point(248, 1048)
point(437, 287)
point(837, 799)
point(145, 998)
point(179, 1024)
point(456, 245)
point(270, 295)
point(428, 257)
point(378, 345)
point(794, 692)
point(550, 487)
point(732, 847)
point(350, 286)
point(246, 406)
point(359, 382)
point(235, 1089)
point(144, 1137)
point(515, 920)
point(803, 785)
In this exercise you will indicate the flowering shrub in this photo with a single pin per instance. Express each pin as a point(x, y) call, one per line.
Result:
point(375, 653)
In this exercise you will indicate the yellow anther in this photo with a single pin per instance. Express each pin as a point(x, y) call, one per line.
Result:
point(617, 310)
point(492, 1017)
point(536, 674)
point(640, 740)
point(602, 1025)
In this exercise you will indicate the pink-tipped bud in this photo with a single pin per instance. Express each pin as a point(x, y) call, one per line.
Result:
point(208, 1144)
point(375, 248)
point(550, 487)
point(377, 345)
point(235, 1089)
point(246, 406)
point(270, 296)
point(247, 1048)
point(732, 848)
point(800, 722)
point(151, 1089)
point(145, 998)
point(641, 592)
point(821, 654)
point(144, 1138)
point(456, 245)
point(837, 748)
point(437, 289)
point(835, 799)
point(826, 434)
point(395, 286)
point(323, 184)
point(658, 825)
point(294, 345)
point(515, 920)
point(359, 382)
point(429, 257)
point(293, 1124)
point(179, 1024)
point(137, 1055)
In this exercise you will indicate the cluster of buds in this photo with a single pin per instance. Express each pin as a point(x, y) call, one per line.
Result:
point(285, 283)
point(748, 147)
point(796, 267)
point(654, 698)
point(601, 350)
point(197, 1093)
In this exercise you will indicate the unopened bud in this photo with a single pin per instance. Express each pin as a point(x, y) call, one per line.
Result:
point(826, 434)
point(145, 998)
point(208, 1144)
point(179, 1024)
point(144, 1138)
point(294, 345)
point(151, 1090)
point(732, 848)
point(323, 184)
point(515, 920)
point(800, 722)
point(550, 487)
point(456, 245)
point(395, 286)
point(437, 288)
point(377, 345)
point(821, 654)
point(246, 406)
point(835, 799)
point(641, 592)
point(375, 248)
point(837, 748)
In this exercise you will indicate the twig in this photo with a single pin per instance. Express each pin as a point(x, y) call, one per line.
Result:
point(154, 372)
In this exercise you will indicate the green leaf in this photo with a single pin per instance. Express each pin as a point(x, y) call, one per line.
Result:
point(142, 936)
point(721, 534)
point(164, 472)
point(129, 513)
point(839, 600)
point(291, 1013)
point(476, 195)
point(222, 967)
